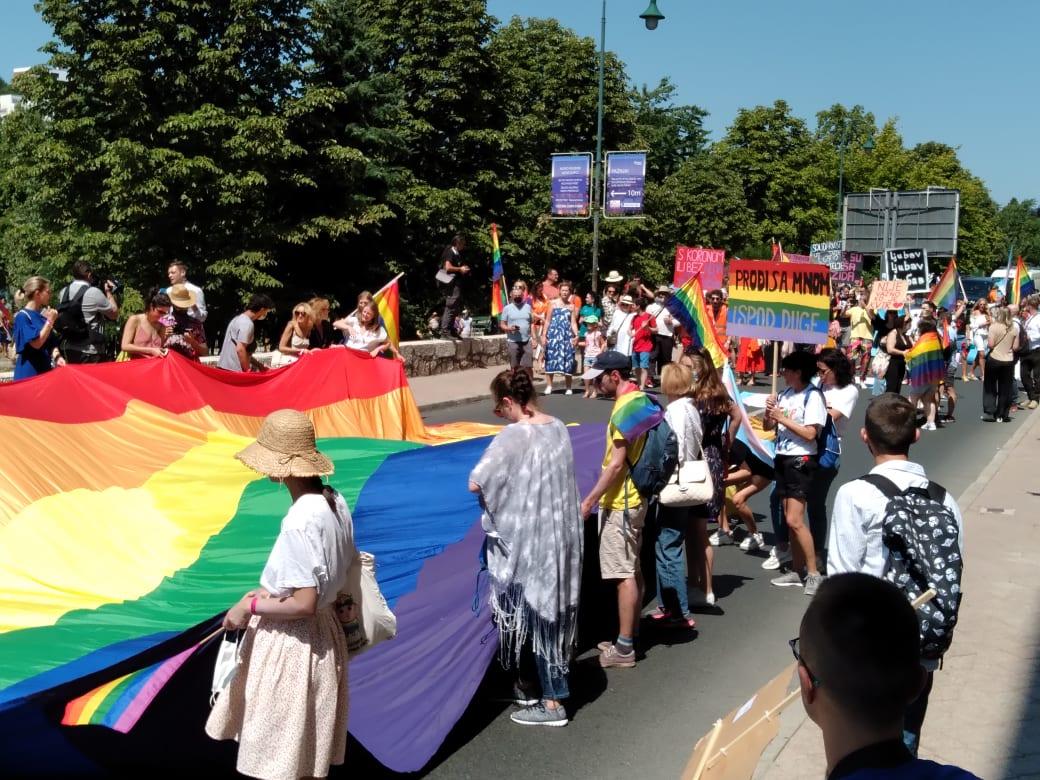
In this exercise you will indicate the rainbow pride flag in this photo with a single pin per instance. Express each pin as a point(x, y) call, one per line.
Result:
point(944, 294)
point(1023, 285)
point(388, 301)
point(763, 449)
point(687, 305)
point(499, 299)
point(127, 528)
point(634, 414)
point(924, 362)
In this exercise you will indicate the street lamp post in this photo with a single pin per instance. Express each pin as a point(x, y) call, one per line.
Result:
point(651, 16)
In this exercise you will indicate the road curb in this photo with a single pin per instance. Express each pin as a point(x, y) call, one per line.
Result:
point(435, 405)
point(967, 498)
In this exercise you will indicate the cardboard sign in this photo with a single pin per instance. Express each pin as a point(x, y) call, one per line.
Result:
point(693, 260)
point(908, 264)
point(888, 295)
point(779, 301)
point(848, 269)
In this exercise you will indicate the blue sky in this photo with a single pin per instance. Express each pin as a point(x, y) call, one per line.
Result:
point(956, 71)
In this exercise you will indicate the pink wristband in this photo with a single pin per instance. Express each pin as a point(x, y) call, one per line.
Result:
point(252, 606)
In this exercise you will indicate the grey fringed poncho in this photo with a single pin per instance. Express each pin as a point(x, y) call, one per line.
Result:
point(535, 536)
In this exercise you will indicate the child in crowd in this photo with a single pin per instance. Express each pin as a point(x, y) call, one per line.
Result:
point(594, 344)
point(642, 344)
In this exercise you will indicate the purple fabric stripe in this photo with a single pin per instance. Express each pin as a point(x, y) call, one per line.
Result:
point(150, 690)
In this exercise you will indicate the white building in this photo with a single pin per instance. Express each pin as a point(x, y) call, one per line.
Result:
point(8, 103)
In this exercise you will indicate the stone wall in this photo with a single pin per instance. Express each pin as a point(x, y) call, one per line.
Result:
point(426, 358)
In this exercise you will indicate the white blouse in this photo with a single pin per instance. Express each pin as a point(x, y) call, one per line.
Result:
point(314, 549)
point(358, 337)
point(685, 422)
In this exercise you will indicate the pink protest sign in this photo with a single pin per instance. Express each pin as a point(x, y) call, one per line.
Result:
point(691, 260)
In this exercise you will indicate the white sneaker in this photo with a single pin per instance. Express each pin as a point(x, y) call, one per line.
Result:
point(569, 392)
point(776, 559)
point(720, 539)
point(548, 390)
point(928, 427)
point(709, 599)
point(752, 542)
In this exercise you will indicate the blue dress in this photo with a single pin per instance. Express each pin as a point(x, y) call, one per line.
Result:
point(559, 351)
point(31, 361)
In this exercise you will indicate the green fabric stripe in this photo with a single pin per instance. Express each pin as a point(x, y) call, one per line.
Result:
point(228, 565)
point(113, 696)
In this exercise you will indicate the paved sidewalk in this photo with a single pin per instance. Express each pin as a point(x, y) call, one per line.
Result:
point(984, 710)
point(458, 387)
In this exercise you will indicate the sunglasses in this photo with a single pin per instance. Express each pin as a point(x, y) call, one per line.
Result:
point(299, 314)
point(793, 643)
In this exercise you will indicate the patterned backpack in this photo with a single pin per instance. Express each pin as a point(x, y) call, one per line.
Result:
point(920, 533)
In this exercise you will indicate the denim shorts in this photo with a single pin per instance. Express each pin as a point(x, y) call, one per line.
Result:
point(640, 360)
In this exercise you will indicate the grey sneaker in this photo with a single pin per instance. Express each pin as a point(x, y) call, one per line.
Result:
point(720, 538)
point(789, 579)
point(752, 542)
point(812, 582)
point(540, 715)
point(777, 558)
point(611, 657)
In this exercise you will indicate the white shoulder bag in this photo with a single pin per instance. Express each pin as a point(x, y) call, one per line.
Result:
point(363, 612)
point(690, 485)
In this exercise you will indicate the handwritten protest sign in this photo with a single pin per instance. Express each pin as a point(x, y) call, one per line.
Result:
point(691, 260)
point(908, 264)
point(779, 301)
point(846, 267)
point(887, 295)
point(827, 252)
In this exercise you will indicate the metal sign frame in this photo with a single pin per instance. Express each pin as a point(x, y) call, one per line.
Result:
point(887, 219)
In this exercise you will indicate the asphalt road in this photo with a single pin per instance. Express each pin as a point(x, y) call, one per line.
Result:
point(645, 721)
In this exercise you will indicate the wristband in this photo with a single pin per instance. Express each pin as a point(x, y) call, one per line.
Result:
point(252, 606)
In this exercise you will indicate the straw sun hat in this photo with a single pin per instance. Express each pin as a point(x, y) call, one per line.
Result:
point(285, 447)
point(181, 296)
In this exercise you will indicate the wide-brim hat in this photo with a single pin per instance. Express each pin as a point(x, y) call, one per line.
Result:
point(181, 296)
point(285, 447)
point(613, 278)
point(664, 289)
point(627, 299)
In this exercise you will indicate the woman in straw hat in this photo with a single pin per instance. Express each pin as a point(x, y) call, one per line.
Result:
point(287, 704)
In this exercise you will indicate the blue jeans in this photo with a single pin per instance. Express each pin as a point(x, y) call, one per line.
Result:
point(553, 682)
point(672, 524)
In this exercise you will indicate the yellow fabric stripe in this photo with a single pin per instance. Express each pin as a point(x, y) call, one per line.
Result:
point(53, 562)
point(95, 701)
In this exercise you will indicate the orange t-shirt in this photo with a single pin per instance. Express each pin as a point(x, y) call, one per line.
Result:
point(719, 321)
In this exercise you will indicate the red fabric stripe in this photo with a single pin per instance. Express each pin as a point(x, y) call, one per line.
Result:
point(80, 394)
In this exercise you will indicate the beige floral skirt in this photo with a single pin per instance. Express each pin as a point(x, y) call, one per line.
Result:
point(287, 705)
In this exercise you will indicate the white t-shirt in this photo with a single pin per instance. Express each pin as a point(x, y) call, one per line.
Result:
point(685, 422)
point(361, 338)
point(620, 326)
point(663, 321)
point(805, 407)
point(841, 399)
point(314, 549)
point(1032, 331)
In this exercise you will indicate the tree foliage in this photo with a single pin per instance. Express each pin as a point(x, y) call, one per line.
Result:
point(306, 146)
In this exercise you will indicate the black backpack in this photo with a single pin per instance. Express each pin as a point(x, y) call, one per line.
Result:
point(920, 533)
point(657, 462)
point(71, 326)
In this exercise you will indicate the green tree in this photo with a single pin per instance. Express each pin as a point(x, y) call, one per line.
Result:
point(192, 130)
point(1019, 221)
point(672, 134)
point(778, 163)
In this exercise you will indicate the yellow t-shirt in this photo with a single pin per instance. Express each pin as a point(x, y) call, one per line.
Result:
point(860, 324)
point(622, 488)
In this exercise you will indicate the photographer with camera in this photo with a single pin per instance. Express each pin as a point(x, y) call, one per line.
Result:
point(82, 311)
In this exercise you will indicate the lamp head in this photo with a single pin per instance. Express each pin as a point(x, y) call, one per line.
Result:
point(868, 145)
point(651, 15)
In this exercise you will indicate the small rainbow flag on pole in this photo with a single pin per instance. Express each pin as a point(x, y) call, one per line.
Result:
point(634, 414)
point(687, 305)
point(944, 294)
point(119, 704)
point(388, 301)
point(924, 362)
point(1023, 285)
point(498, 280)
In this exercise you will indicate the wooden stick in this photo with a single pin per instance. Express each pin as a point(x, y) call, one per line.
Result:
point(709, 748)
point(777, 346)
point(767, 715)
point(923, 599)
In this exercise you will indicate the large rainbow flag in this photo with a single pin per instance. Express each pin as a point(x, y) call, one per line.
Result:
point(499, 299)
point(944, 294)
point(1022, 286)
point(687, 305)
point(924, 362)
point(127, 528)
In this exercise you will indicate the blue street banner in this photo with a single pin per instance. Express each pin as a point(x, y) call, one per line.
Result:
point(624, 184)
point(571, 190)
